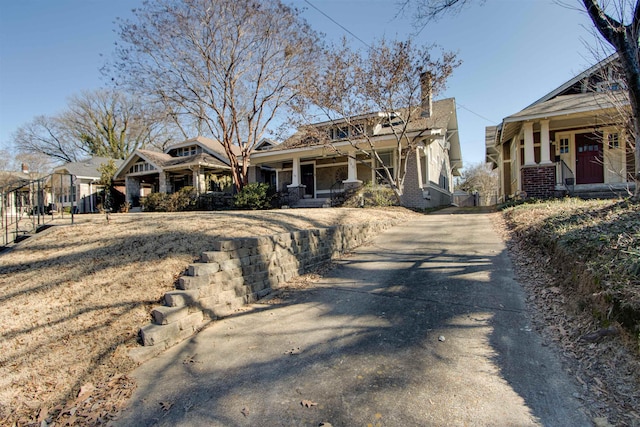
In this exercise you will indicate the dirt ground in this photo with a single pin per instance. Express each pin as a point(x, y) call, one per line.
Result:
point(73, 298)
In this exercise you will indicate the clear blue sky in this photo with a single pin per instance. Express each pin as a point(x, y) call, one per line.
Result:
point(513, 52)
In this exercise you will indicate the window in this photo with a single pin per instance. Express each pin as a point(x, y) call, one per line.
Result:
point(564, 145)
point(387, 160)
point(613, 140)
point(341, 132)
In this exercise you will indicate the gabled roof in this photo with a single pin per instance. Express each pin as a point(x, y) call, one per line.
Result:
point(586, 73)
point(443, 116)
point(211, 145)
point(87, 169)
point(569, 104)
point(163, 161)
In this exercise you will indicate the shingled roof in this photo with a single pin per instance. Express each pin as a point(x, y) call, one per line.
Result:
point(308, 136)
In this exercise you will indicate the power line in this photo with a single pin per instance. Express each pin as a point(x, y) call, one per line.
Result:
point(473, 112)
point(338, 24)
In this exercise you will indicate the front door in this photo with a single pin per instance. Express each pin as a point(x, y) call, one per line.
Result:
point(589, 165)
point(308, 179)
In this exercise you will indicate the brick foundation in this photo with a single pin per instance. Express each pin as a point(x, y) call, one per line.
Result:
point(539, 181)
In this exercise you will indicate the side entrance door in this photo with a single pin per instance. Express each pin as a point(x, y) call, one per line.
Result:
point(589, 160)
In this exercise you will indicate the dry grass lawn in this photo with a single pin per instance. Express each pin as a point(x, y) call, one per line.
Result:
point(73, 298)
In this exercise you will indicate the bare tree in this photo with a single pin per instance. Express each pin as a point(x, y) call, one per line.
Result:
point(480, 178)
point(384, 85)
point(226, 67)
point(104, 123)
point(110, 123)
point(48, 136)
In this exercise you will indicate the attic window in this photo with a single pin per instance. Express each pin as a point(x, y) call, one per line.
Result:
point(341, 132)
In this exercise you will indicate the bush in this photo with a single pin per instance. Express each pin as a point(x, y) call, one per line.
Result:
point(184, 199)
point(372, 196)
point(254, 196)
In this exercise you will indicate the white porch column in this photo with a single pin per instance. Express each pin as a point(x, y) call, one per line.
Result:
point(163, 186)
point(199, 181)
point(295, 173)
point(352, 168)
point(529, 156)
point(545, 152)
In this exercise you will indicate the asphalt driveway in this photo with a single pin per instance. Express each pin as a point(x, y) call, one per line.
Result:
point(426, 326)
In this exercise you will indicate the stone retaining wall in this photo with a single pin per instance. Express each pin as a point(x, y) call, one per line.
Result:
point(241, 271)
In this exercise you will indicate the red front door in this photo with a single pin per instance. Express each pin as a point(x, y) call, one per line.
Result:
point(589, 165)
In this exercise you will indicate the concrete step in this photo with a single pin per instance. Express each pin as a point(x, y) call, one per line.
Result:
point(312, 203)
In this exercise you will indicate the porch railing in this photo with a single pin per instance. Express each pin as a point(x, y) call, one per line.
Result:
point(567, 177)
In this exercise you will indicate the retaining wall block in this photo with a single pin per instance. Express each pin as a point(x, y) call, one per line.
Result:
point(192, 322)
point(188, 283)
point(243, 252)
point(164, 315)
point(153, 334)
point(210, 290)
point(207, 305)
point(203, 269)
point(215, 256)
point(231, 264)
point(227, 245)
point(181, 298)
point(233, 283)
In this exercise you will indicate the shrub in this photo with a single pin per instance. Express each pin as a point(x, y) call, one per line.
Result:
point(254, 196)
point(182, 200)
point(372, 196)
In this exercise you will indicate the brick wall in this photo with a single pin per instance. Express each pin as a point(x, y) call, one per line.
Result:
point(414, 195)
point(241, 271)
point(539, 181)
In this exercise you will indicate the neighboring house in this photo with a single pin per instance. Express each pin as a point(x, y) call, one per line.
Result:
point(309, 168)
point(570, 141)
point(76, 184)
point(200, 163)
point(15, 192)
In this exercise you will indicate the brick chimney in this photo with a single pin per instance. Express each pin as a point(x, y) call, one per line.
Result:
point(425, 89)
point(25, 168)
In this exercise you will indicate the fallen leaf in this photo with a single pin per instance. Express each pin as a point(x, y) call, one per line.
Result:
point(245, 412)
point(166, 405)
point(308, 403)
point(44, 412)
point(85, 392)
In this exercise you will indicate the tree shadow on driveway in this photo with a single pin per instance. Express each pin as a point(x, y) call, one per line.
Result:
point(426, 326)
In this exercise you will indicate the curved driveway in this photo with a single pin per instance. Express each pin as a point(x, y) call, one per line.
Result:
point(425, 326)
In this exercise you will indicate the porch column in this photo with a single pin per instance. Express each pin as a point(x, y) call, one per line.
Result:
point(162, 183)
point(545, 155)
point(352, 168)
point(295, 173)
point(529, 156)
point(296, 190)
point(198, 181)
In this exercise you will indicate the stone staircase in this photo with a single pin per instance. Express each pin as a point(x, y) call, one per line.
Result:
point(241, 271)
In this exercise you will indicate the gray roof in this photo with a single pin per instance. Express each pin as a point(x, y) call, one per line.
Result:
point(441, 112)
point(570, 104)
point(88, 168)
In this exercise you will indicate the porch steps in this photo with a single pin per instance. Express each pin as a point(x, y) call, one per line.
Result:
point(312, 203)
point(602, 192)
